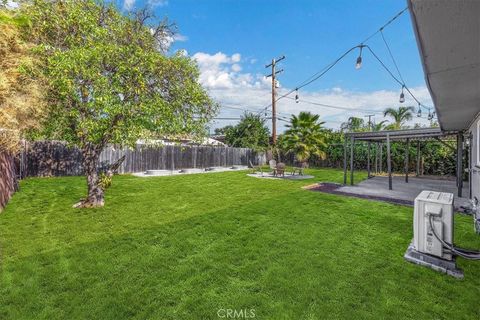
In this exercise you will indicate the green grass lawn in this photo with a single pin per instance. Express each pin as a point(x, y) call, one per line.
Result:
point(184, 247)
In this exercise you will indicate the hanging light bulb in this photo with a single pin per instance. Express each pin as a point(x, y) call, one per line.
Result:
point(297, 99)
point(358, 64)
point(402, 96)
point(430, 117)
point(419, 113)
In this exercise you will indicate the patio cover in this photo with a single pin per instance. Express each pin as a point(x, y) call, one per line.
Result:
point(405, 135)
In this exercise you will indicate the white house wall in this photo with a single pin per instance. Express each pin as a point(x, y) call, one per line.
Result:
point(475, 159)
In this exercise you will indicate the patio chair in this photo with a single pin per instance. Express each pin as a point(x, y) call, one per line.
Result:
point(299, 168)
point(280, 169)
point(273, 165)
point(255, 168)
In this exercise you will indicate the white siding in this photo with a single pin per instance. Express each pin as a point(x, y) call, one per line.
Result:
point(475, 165)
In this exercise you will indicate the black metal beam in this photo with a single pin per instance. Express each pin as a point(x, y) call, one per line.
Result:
point(381, 157)
point(368, 159)
point(407, 153)
point(418, 159)
point(352, 144)
point(421, 133)
point(345, 145)
point(389, 163)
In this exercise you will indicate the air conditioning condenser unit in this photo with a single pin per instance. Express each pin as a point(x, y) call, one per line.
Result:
point(432, 229)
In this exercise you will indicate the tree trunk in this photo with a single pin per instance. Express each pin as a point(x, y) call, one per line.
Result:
point(95, 196)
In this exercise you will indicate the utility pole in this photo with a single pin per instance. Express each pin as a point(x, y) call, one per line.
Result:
point(370, 121)
point(274, 96)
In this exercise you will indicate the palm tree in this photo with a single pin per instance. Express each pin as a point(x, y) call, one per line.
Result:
point(400, 116)
point(353, 124)
point(305, 136)
point(379, 126)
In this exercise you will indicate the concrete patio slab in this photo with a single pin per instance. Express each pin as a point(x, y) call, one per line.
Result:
point(164, 173)
point(286, 177)
point(377, 187)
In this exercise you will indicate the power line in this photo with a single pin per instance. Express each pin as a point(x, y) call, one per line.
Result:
point(385, 25)
point(395, 78)
point(328, 67)
point(391, 56)
point(336, 107)
point(361, 46)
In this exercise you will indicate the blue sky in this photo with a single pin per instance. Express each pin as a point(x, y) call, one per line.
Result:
point(233, 40)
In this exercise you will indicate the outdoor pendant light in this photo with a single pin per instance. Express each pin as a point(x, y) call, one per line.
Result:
point(358, 65)
point(419, 113)
point(402, 96)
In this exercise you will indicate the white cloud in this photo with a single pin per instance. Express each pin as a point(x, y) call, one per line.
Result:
point(236, 57)
point(169, 40)
point(180, 37)
point(158, 3)
point(9, 4)
point(220, 71)
point(221, 75)
point(128, 4)
point(236, 67)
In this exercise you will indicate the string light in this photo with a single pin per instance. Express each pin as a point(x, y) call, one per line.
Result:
point(297, 99)
point(402, 96)
point(358, 64)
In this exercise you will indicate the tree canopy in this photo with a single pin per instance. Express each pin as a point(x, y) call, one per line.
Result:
point(250, 132)
point(110, 81)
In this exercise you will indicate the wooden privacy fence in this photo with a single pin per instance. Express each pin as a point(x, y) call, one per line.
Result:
point(54, 158)
point(8, 179)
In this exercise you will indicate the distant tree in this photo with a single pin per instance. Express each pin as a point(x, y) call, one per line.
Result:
point(110, 80)
point(223, 130)
point(399, 116)
point(353, 124)
point(250, 132)
point(305, 136)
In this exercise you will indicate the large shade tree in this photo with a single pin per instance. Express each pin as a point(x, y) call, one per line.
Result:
point(305, 137)
point(399, 116)
point(111, 81)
